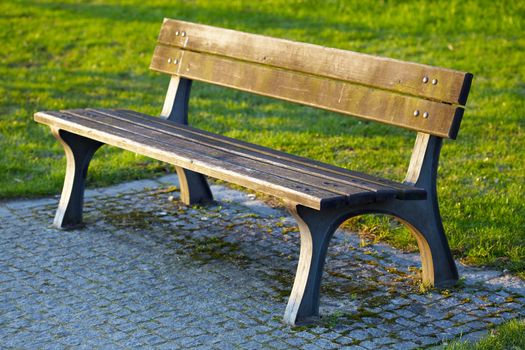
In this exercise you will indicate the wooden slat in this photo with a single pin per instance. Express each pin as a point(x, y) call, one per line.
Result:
point(181, 155)
point(334, 95)
point(282, 160)
point(405, 77)
point(267, 155)
point(256, 161)
point(177, 141)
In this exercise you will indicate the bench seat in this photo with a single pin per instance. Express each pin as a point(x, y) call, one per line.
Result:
point(300, 180)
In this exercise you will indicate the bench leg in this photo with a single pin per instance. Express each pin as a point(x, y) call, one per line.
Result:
point(424, 221)
point(423, 217)
point(316, 229)
point(79, 151)
point(193, 187)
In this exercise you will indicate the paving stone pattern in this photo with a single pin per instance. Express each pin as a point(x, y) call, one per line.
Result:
point(149, 272)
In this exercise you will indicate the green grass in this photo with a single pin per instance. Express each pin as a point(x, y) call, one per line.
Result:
point(509, 336)
point(68, 54)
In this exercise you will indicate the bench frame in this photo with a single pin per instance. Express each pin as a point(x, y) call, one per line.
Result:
point(317, 227)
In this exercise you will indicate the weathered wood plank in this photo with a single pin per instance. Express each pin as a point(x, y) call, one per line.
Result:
point(262, 154)
point(451, 86)
point(260, 162)
point(290, 158)
point(202, 163)
point(334, 95)
point(177, 141)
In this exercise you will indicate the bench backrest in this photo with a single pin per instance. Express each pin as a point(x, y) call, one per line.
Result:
point(413, 96)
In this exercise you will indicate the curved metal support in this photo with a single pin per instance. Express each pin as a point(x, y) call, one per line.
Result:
point(420, 216)
point(316, 228)
point(193, 186)
point(423, 217)
point(79, 151)
point(423, 220)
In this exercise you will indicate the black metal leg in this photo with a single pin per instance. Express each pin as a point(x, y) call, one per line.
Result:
point(316, 228)
point(423, 217)
point(79, 151)
point(424, 221)
point(193, 187)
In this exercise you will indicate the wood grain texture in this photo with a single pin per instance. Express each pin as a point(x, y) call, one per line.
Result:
point(181, 141)
point(202, 163)
point(384, 73)
point(270, 156)
point(321, 92)
point(216, 160)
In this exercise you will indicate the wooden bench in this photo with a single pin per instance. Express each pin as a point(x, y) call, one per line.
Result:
point(425, 99)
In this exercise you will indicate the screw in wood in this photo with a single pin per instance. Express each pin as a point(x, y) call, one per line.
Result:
point(183, 33)
point(177, 33)
point(425, 79)
point(434, 81)
point(416, 113)
point(425, 115)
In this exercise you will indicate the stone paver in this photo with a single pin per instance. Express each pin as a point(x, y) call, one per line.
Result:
point(149, 272)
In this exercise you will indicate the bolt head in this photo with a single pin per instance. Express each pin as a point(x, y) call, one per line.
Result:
point(169, 60)
point(425, 115)
point(434, 81)
point(183, 33)
point(425, 79)
point(416, 113)
point(175, 61)
point(177, 33)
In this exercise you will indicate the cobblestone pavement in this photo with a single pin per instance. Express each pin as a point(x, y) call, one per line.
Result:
point(149, 272)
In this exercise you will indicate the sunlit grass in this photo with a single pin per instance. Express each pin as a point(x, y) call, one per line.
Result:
point(77, 54)
point(509, 336)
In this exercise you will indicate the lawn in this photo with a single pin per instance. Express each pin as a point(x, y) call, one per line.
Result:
point(509, 336)
point(77, 54)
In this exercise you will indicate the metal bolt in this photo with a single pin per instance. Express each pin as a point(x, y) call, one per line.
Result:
point(416, 113)
point(183, 33)
point(177, 33)
point(175, 61)
point(434, 81)
point(425, 79)
point(425, 115)
point(169, 60)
